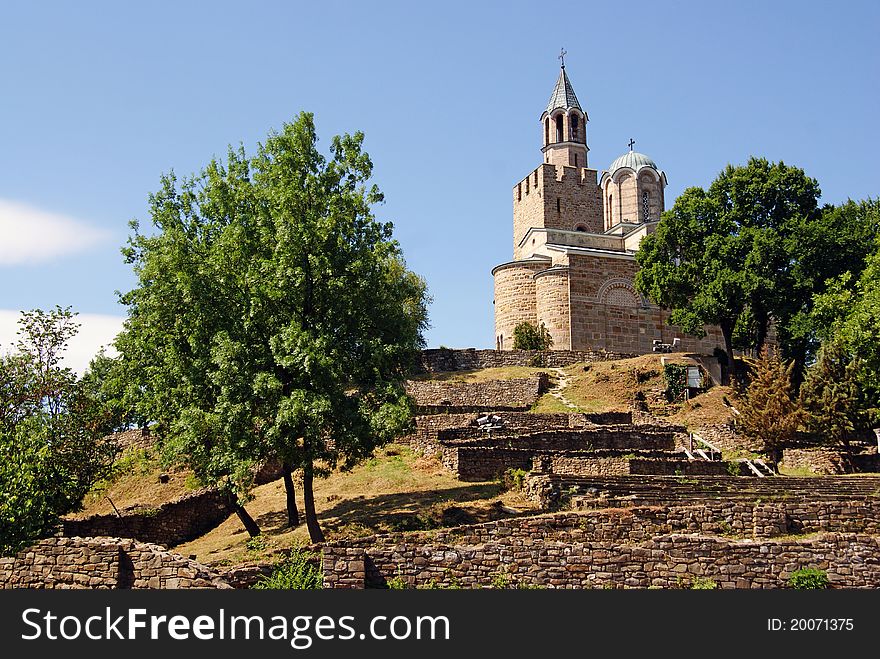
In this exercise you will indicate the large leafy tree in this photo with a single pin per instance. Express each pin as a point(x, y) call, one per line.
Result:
point(50, 447)
point(729, 256)
point(274, 316)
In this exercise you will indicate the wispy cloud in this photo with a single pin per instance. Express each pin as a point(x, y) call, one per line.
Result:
point(30, 235)
point(96, 331)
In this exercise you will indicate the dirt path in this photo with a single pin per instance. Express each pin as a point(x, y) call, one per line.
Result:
point(557, 390)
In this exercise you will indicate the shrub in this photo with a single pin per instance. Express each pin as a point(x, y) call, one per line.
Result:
point(527, 336)
point(396, 583)
point(676, 381)
point(299, 571)
point(513, 479)
point(732, 468)
point(808, 579)
point(703, 583)
point(501, 581)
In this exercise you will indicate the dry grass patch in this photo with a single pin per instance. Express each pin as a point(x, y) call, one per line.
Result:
point(708, 408)
point(610, 386)
point(395, 491)
point(138, 480)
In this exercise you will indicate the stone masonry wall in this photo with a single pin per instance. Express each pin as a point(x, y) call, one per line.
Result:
point(169, 524)
point(103, 563)
point(439, 360)
point(825, 460)
point(475, 463)
point(499, 395)
point(628, 329)
point(551, 291)
point(425, 436)
point(556, 197)
point(632, 548)
point(515, 300)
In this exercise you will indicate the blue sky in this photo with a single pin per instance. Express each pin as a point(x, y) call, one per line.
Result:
point(98, 99)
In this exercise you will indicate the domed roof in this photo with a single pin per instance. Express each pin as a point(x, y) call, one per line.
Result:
point(632, 159)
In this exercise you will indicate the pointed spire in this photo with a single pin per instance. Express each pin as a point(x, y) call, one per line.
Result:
point(563, 95)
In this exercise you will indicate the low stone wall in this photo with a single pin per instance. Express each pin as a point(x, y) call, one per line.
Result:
point(476, 463)
point(169, 524)
point(103, 563)
point(549, 490)
point(586, 438)
point(425, 436)
point(138, 438)
point(632, 548)
point(438, 360)
point(437, 397)
point(830, 461)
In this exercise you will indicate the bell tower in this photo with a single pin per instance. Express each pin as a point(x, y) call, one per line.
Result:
point(564, 125)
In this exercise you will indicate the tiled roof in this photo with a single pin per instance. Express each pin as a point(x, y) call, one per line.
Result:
point(563, 95)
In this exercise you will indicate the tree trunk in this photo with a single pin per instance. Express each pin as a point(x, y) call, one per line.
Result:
point(727, 332)
point(292, 510)
point(249, 524)
point(315, 534)
point(763, 325)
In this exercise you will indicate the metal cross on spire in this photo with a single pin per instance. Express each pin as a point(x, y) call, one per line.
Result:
point(631, 142)
point(562, 54)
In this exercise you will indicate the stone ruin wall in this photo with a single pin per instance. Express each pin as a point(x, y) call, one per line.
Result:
point(426, 435)
point(626, 548)
point(103, 563)
point(169, 524)
point(474, 463)
point(433, 396)
point(830, 461)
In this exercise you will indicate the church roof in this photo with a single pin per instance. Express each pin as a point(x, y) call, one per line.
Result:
point(563, 95)
point(632, 159)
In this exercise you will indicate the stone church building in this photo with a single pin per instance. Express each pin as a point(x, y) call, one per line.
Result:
point(575, 234)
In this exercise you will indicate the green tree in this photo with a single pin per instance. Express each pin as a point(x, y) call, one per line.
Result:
point(527, 336)
point(274, 317)
point(727, 256)
point(50, 447)
point(836, 401)
point(769, 410)
point(838, 242)
point(847, 319)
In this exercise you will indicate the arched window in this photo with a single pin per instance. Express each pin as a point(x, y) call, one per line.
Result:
point(547, 131)
point(573, 127)
point(610, 209)
point(646, 206)
point(582, 228)
point(560, 136)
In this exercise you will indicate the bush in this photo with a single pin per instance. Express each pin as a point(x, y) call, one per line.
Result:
point(513, 479)
point(808, 579)
point(703, 583)
point(531, 337)
point(676, 381)
point(299, 571)
point(396, 583)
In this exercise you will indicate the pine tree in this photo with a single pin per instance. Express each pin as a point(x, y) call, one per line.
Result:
point(771, 412)
point(834, 400)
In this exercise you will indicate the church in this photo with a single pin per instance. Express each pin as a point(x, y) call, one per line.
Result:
point(575, 234)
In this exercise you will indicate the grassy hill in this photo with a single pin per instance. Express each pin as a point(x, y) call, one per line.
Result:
point(396, 489)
